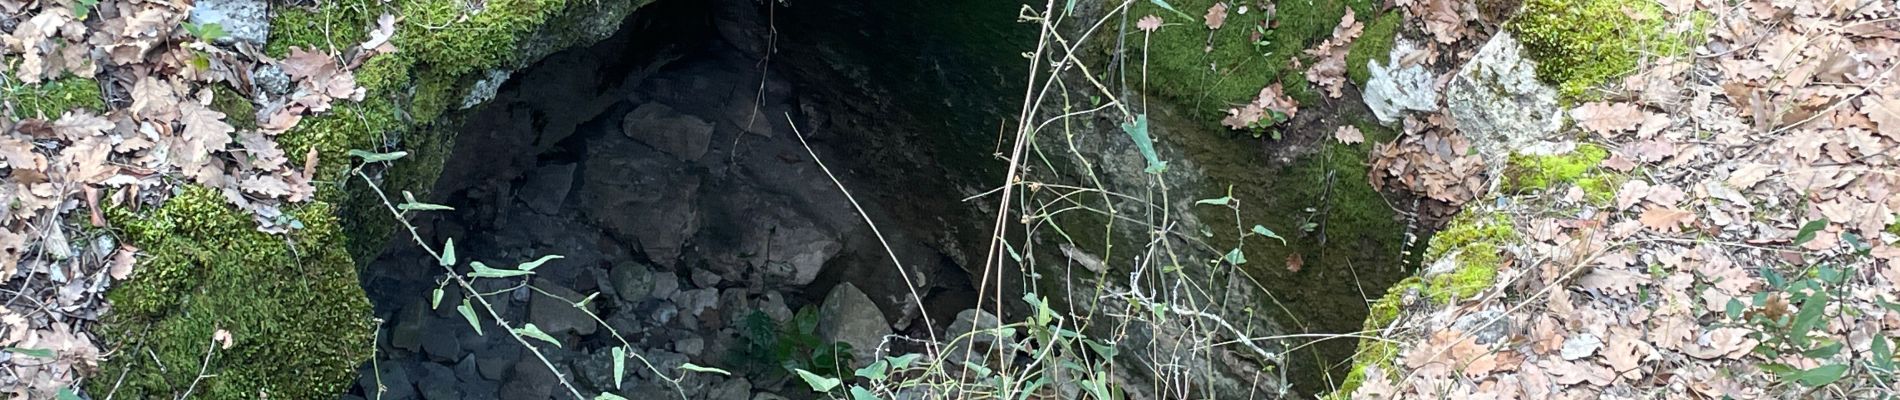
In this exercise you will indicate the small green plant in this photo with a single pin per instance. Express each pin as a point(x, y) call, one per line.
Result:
point(205, 32)
point(1791, 317)
point(774, 348)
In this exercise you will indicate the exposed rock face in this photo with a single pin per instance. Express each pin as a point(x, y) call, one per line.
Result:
point(244, 21)
point(1395, 88)
point(633, 282)
point(1498, 104)
point(647, 199)
point(683, 136)
point(849, 316)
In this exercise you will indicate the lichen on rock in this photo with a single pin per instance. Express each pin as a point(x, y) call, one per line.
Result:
point(1499, 105)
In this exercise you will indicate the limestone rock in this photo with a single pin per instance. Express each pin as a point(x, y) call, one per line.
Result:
point(1394, 89)
point(437, 382)
point(683, 136)
point(557, 316)
point(1482, 327)
point(243, 21)
point(849, 316)
point(1498, 103)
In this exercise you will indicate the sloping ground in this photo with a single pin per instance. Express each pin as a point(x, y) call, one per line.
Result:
point(1726, 229)
point(179, 160)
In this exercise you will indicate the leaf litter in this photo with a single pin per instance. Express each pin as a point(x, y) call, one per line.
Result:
point(1762, 158)
point(56, 163)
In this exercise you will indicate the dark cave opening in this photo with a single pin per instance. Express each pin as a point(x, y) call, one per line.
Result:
point(661, 165)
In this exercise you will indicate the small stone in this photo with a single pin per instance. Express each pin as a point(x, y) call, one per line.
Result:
point(246, 21)
point(767, 396)
point(735, 388)
point(975, 321)
point(690, 346)
point(493, 362)
point(773, 305)
point(849, 316)
point(531, 380)
point(437, 382)
point(271, 79)
point(547, 188)
point(442, 344)
point(665, 285)
point(705, 279)
point(1483, 334)
point(633, 282)
point(696, 301)
point(557, 316)
point(411, 324)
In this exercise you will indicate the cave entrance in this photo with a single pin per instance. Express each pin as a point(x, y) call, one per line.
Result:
point(664, 166)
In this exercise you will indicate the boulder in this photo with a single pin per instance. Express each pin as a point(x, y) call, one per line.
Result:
point(849, 316)
point(683, 136)
point(734, 388)
point(243, 21)
point(1499, 105)
point(1394, 89)
point(557, 316)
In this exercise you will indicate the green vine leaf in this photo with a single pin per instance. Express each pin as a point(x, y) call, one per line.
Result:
point(369, 157)
point(531, 265)
point(468, 313)
point(484, 271)
point(620, 365)
point(1138, 130)
point(532, 331)
point(818, 383)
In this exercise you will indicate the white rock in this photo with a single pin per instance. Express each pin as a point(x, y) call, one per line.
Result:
point(1393, 89)
point(1500, 106)
point(246, 21)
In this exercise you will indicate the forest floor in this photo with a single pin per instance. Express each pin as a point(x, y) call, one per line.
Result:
point(1748, 249)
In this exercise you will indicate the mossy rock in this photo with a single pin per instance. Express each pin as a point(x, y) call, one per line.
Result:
point(1375, 44)
point(1212, 71)
point(298, 319)
point(1580, 44)
point(1476, 241)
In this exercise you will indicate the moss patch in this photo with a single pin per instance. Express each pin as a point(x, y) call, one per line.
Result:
point(1373, 45)
point(292, 303)
point(455, 37)
point(238, 110)
point(51, 98)
point(335, 25)
point(1580, 167)
point(1580, 44)
point(1179, 54)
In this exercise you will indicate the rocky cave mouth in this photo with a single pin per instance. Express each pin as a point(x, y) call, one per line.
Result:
point(661, 165)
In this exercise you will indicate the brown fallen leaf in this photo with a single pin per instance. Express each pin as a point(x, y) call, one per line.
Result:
point(120, 267)
point(1217, 15)
point(1666, 219)
point(1349, 134)
point(1607, 118)
point(1148, 24)
point(1294, 262)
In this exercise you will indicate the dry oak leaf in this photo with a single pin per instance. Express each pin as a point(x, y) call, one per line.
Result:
point(1217, 15)
point(1666, 219)
point(1148, 24)
point(1605, 118)
point(1294, 262)
point(1721, 343)
point(77, 124)
point(120, 267)
point(1884, 110)
point(1349, 134)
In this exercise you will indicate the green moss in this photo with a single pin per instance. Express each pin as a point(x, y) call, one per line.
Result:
point(238, 110)
point(1477, 266)
point(334, 25)
point(292, 304)
point(1179, 54)
point(453, 36)
point(1373, 45)
point(1580, 44)
point(51, 98)
point(1580, 167)
point(435, 92)
point(385, 73)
